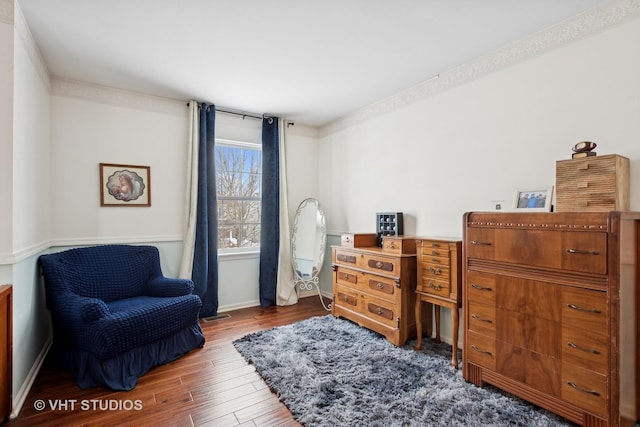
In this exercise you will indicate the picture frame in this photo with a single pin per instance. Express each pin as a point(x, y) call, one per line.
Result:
point(125, 185)
point(524, 203)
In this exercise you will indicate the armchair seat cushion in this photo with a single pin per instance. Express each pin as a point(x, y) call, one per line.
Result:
point(114, 314)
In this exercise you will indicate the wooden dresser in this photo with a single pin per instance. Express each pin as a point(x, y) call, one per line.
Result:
point(439, 283)
point(551, 310)
point(375, 287)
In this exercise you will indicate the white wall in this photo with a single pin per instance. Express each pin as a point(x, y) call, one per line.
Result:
point(30, 232)
point(31, 128)
point(459, 149)
point(92, 125)
point(6, 137)
point(88, 132)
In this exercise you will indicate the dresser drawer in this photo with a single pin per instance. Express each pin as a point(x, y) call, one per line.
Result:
point(389, 265)
point(347, 277)
point(584, 310)
point(380, 310)
point(346, 297)
point(584, 388)
point(582, 251)
point(434, 287)
point(481, 287)
point(481, 351)
point(589, 350)
point(381, 264)
point(434, 248)
point(481, 318)
point(435, 271)
point(381, 287)
point(346, 257)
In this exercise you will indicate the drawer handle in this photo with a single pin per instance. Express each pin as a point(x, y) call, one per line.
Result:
point(481, 288)
point(475, 348)
point(577, 251)
point(346, 276)
point(392, 245)
point(588, 310)
point(347, 239)
point(582, 389)
point(586, 350)
point(379, 285)
point(475, 316)
point(436, 271)
point(379, 264)
point(437, 287)
point(378, 311)
point(346, 298)
point(475, 242)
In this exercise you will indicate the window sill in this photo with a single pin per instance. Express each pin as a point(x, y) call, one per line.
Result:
point(232, 256)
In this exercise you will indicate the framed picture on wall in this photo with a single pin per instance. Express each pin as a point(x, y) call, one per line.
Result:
point(125, 185)
point(533, 199)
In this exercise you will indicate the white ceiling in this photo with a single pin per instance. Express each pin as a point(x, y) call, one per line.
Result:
point(311, 62)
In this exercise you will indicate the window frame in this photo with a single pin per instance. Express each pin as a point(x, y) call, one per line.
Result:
point(237, 252)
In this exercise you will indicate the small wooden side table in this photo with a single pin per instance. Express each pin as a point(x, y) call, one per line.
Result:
point(439, 283)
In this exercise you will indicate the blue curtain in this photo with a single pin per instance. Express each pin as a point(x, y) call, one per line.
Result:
point(205, 257)
point(270, 219)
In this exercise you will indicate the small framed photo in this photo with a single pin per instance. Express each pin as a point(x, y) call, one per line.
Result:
point(533, 199)
point(125, 185)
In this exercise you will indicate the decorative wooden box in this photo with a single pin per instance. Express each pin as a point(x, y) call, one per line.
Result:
point(358, 240)
point(595, 184)
point(399, 244)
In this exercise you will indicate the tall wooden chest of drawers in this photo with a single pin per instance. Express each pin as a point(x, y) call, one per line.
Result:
point(551, 310)
point(439, 284)
point(375, 288)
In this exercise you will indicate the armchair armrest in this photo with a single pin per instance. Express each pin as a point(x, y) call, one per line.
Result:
point(168, 287)
point(76, 308)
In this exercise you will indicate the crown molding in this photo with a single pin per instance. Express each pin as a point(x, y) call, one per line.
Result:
point(6, 11)
point(108, 95)
point(581, 26)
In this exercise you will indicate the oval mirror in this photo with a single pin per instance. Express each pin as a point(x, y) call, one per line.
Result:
point(308, 240)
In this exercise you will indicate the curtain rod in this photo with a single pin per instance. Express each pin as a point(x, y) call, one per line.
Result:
point(244, 114)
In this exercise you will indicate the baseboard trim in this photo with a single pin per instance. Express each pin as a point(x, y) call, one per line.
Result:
point(22, 394)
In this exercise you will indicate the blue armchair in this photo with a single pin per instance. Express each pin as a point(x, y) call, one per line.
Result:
point(115, 316)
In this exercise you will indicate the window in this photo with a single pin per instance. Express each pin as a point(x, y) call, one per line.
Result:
point(238, 189)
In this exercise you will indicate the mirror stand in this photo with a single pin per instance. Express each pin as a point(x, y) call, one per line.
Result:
point(308, 241)
point(308, 285)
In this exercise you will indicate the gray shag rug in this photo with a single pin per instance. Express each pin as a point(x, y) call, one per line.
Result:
point(330, 372)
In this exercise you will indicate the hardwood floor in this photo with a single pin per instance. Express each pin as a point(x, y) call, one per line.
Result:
point(211, 386)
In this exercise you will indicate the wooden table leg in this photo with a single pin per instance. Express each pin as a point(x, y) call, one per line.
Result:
point(418, 322)
point(454, 326)
point(437, 315)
